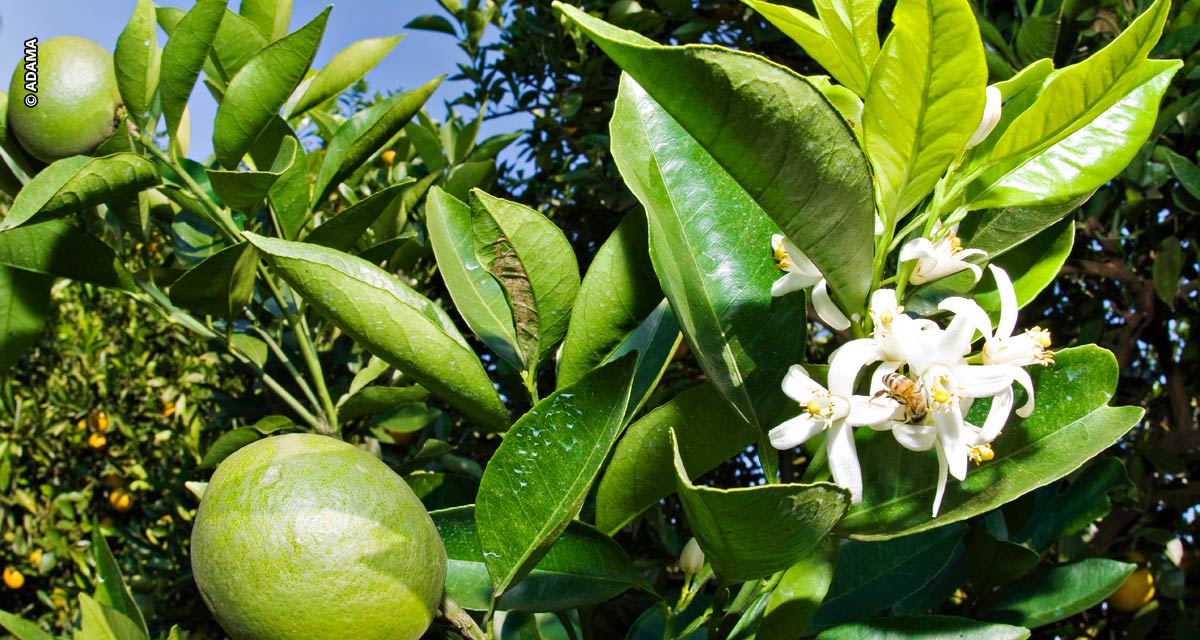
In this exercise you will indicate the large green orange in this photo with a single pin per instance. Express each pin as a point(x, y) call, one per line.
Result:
point(304, 537)
point(78, 102)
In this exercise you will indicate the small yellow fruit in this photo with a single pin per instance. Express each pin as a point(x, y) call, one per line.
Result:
point(97, 441)
point(13, 579)
point(99, 420)
point(1134, 593)
point(35, 558)
point(389, 157)
point(81, 425)
point(120, 500)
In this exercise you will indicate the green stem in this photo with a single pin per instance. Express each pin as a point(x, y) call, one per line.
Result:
point(218, 216)
point(530, 379)
point(461, 619)
point(307, 351)
point(287, 362)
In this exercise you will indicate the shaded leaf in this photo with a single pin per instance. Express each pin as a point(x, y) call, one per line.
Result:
point(799, 593)
point(373, 400)
point(270, 16)
point(59, 248)
point(246, 190)
point(924, 628)
point(430, 22)
point(77, 182)
point(342, 231)
point(22, 628)
point(183, 57)
point(236, 42)
point(24, 306)
point(1167, 270)
point(1057, 592)
point(220, 286)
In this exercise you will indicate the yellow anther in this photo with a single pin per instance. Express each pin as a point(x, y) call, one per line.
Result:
point(941, 396)
point(981, 453)
point(814, 407)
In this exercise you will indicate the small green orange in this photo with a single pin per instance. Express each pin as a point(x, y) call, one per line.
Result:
point(303, 536)
point(76, 105)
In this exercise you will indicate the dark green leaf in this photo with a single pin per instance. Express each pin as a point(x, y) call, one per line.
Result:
point(220, 286)
point(1185, 171)
point(246, 190)
point(1057, 592)
point(24, 305)
point(110, 585)
point(471, 175)
point(642, 470)
point(342, 231)
point(703, 233)
point(261, 88)
point(1038, 37)
point(77, 182)
point(346, 68)
point(391, 321)
point(655, 340)
point(1083, 502)
point(924, 628)
point(992, 562)
point(183, 57)
point(227, 444)
point(430, 22)
point(1071, 424)
point(1168, 267)
point(582, 568)
point(750, 533)
point(774, 134)
point(871, 576)
point(799, 593)
point(537, 480)
point(59, 248)
point(999, 230)
point(378, 400)
point(137, 60)
point(289, 198)
point(1032, 266)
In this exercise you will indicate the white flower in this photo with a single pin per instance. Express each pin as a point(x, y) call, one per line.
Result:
point(991, 115)
point(801, 273)
point(939, 259)
point(835, 410)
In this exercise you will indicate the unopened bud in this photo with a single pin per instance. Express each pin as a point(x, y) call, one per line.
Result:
point(691, 561)
point(991, 115)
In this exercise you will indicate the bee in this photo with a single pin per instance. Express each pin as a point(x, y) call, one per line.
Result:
point(903, 390)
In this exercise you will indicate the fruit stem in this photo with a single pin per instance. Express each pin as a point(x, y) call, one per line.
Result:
point(287, 362)
point(461, 620)
point(218, 216)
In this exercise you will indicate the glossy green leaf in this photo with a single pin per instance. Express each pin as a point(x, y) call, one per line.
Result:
point(871, 576)
point(997, 231)
point(183, 57)
point(270, 16)
point(1085, 160)
point(255, 95)
point(431, 22)
point(289, 198)
point(1038, 36)
point(1032, 266)
point(537, 480)
point(1167, 270)
point(343, 230)
point(842, 38)
point(703, 232)
point(924, 628)
point(1057, 592)
point(346, 68)
point(618, 291)
point(1072, 97)
point(477, 295)
point(925, 99)
point(534, 262)
point(774, 134)
point(1185, 171)
point(246, 190)
point(110, 585)
point(583, 568)
point(1083, 502)
point(101, 622)
point(362, 135)
point(471, 175)
point(237, 41)
point(655, 340)
point(77, 182)
point(21, 628)
point(750, 533)
point(642, 469)
point(374, 400)
point(137, 59)
point(228, 443)
point(389, 320)
point(991, 562)
point(799, 593)
point(220, 286)
point(24, 306)
point(1071, 424)
point(59, 248)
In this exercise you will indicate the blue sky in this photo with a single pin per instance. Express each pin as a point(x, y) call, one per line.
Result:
point(420, 57)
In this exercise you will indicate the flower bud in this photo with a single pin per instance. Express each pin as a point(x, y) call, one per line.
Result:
point(691, 561)
point(991, 115)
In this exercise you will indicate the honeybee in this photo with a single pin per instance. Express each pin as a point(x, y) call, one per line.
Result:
point(902, 389)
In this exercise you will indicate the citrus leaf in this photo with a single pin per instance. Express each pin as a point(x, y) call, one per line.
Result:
point(374, 400)
point(236, 42)
point(137, 59)
point(844, 40)
point(183, 57)
point(220, 286)
point(343, 230)
point(22, 628)
point(476, 293)
point(100, 622)
point(750, 533)
point(110, 585)
point(775, 135)
point(1167, 270)
point(1083, 502)
point(1071, 424)
point(59, 248)
point(534, 262)
point(583, 568)
point(642, 470)
point(346, 68)
point(925, 628)
point(362, 135)
point(255, 95)
point(655, 340)
point(537, 480)
point(997, 231)
point(925, 99)
point(289, 197)
point(77, 182)
point(270, 16)
point(228, 443)
point(703, 232)
point(1055, 593)
point(246, 190)
point(430, 22)
point(389, 320)
point(24, 306)
point(799, 593)
point(871, 576)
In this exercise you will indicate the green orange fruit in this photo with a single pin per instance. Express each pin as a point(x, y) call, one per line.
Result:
point(304, 536)
point(66, 103)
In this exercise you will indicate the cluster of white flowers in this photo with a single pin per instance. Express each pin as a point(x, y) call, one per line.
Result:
point(926, 377)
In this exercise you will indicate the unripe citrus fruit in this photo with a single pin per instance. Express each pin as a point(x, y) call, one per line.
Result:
point(13, 579)
point(303, 536)
point(77, 100)
point(97, 441)
point(1134, 593)
point(120, 500)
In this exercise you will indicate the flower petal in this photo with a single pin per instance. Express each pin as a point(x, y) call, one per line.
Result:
point(866, 411)
point(800, 262)
point(997, 417)
point(829, 312)
point(941, 484)
point(969, 317)
point(1008, 303)
point(1022, 378)
point(918, 248)
point(847, 361)
point(790, 282)
point(983, 380)
point(915, 437)
point(799, 386)
point(843, 460)
point(991, 115)
point(952, 436)
point(795, 432)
